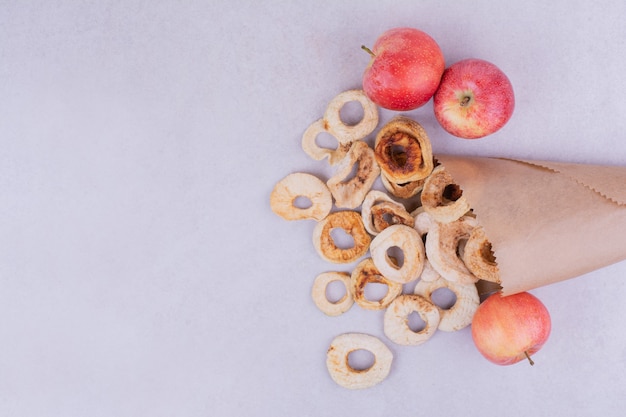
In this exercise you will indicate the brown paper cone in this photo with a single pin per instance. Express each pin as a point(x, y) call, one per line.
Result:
point(547, 221)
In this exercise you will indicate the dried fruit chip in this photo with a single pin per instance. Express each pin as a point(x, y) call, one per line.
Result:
point(380, 211)
point(366, 273)
point(347, 133)
point(349, 191)
point(299, 184)
point(343, 374)
point(351, 222)
point(318, 293)
point(396, 320)
point(443, 249)
point(478, 256)
point(403, 151)
point(459, 315)
point(442, 198)
point(310, 146)
point(407, 240)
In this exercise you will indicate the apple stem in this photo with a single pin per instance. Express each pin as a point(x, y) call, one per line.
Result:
point(368, 50)
point(528, 357)
point(465, 101)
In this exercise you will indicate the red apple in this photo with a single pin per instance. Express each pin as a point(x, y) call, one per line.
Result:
point(508, 329)
point(474, 99)
point(404, 70)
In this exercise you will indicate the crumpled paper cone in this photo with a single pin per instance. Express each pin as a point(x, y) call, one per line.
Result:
point(546, 221)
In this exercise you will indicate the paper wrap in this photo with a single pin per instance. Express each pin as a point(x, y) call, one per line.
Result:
point(546, 221)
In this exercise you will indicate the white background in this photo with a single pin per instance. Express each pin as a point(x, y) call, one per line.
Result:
point(142, 272)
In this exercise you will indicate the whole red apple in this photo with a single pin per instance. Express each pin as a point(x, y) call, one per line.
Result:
point(508, 329)
point(474, 99)
point(404, 70)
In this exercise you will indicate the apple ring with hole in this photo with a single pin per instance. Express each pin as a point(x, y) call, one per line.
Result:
point(403, 151)
point(444, 249)
point(386, 214)
point(442, 198)
point(460, 314)
point(408, 242)
point(380, 211)
point(479, 258)
point(351, 222)
point(396, 319)
point(372, 198)
point(318, 293)
point(404, 190)
point(349, 191)
point(285, 193)
point(367, 273)
point(345, 375)
point(347, 133)
point(311, 147)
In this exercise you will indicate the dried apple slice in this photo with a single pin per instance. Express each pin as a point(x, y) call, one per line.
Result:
point(403, 151)
point(290, 188)
point(339, 367)
point(318, 293)
point(352, 224)
point(396, 323)
point(407, 240)
point(346, 133)
point(366, 273)
point(310, 146)
point(459, 315)
point(349, 191)
point(479, 258)
point(444, 249)
point(442, 198)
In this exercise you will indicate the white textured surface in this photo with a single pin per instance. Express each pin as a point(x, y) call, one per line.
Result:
point(142, 272)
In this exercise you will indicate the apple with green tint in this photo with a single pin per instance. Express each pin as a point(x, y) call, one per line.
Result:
point(508, 329)
point(474, 99)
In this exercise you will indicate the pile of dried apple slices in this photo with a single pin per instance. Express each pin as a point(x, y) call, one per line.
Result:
point(438, 244)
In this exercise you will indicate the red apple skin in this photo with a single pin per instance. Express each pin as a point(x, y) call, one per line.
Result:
point(505, 328)
point(474, 99)
point(405, 69)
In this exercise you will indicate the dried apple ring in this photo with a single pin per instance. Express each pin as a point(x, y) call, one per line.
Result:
point(386, 214)
point(318, 293)
point(343, 374)
point(407, 240)
point(403, 190)
point(349, 133)
point(479, 258)
point(380, 211)
point(366, 273)
point(349, 191)
point(403, 151)
point(307, 186)
point(396, 319)
point(442, 198)
point(352, 224)
point(372, 198)
point(461, 313)
point(444, 244)
point(310, 146)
